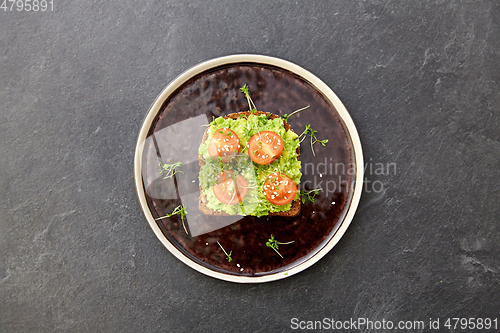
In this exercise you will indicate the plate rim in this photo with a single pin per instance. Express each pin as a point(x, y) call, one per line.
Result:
point(265, 60)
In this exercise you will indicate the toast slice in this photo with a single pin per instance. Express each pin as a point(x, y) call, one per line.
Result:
point(296, 204)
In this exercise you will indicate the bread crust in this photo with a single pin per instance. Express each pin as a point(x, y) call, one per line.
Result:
point(296, 204)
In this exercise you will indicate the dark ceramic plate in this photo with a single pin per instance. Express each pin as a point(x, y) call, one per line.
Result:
point(172, 132)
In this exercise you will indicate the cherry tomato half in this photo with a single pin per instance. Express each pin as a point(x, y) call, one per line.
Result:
point(225, 143)
point(226, 191)
point(279, 189)
point(265, 147)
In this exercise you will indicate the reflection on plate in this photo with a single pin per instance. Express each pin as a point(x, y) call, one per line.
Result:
point(172, 132)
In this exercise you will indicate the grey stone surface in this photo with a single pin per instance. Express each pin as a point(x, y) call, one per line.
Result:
point(420, 79)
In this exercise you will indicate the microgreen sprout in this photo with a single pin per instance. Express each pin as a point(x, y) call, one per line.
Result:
point(213, 119)
point(286, 116)
point(244, 89)
point(251, 104)
point(311, 195)
point(228, 256)
point(179, 210)
point(275, 179)
point(229, 133)
point(274, 244)
point(170, 169)
point(312, 134)
point(221, 163)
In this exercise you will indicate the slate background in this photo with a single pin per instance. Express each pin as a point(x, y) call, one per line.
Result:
point(421, 80)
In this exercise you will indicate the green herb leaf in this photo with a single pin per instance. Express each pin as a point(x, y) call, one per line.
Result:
point(179, 210)
point(251, 105)
point(311, 195)
point(274, 244)
point(170, 169)
point(244, 89)
point(312, 133)
point(286, 116)
point(228, 255)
